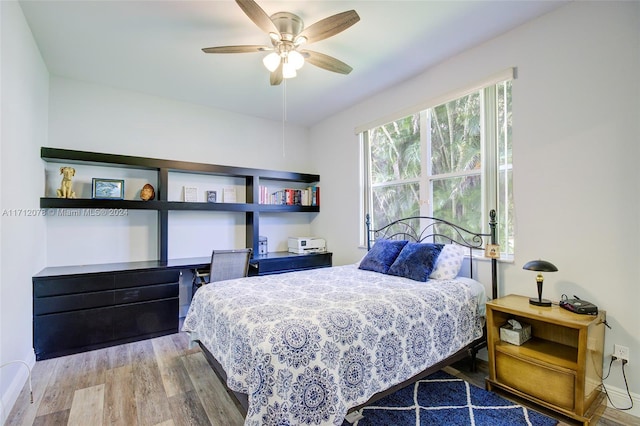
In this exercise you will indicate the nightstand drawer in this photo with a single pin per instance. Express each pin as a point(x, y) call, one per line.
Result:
point(553, 385)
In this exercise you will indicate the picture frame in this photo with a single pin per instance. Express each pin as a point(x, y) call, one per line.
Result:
point(212, 196)
point(229, 194)
point(107, 189)
point(190, 194)
point(492, 251)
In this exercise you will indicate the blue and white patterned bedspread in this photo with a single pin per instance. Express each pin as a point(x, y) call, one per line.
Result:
point(307, 346)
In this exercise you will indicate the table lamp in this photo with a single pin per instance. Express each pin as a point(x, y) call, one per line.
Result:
point(540, 266)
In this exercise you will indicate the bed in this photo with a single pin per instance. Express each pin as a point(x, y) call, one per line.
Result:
point(309, 347)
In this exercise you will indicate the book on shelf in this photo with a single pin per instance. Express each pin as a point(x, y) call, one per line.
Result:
point(309, 196)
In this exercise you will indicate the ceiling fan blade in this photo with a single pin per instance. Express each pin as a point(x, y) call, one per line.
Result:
point(251, 48)
point(258, 16)
point(326, 62)
point(276, 76)
point(330, 26)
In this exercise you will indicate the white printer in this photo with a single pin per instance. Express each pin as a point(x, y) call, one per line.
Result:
point(307, 245)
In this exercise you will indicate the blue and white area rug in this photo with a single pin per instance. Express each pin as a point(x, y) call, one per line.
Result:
point(442, 399)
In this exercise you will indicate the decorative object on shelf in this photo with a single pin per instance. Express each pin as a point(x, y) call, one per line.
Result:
point(190, 194)
point(212, 196)
point(262, 245)
point(147, 192)
point(229, 195)
point(65, 190)
point(540, 266)
point(492, 251)
point(515, 332)
point(112, 189)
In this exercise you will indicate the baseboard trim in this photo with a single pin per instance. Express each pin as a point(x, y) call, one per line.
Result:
point(620, 399)
point(21, 375)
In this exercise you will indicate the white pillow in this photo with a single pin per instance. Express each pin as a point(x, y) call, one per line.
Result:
point(449, 262)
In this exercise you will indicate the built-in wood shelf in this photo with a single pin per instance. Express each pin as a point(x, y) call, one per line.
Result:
point(253, 178)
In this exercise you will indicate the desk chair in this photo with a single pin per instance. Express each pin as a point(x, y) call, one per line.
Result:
point(225, 265)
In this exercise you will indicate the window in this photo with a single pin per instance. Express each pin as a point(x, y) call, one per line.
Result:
point(451, 161)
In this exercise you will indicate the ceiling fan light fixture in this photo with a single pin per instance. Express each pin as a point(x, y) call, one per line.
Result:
point(271, 61)
point(288, 70)
point(287, 35)
point(275, 38)
point(295, 59)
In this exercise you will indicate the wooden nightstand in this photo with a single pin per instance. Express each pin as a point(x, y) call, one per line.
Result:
point(559, 367)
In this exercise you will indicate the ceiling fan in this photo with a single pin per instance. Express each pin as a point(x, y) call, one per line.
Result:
point(288, 34)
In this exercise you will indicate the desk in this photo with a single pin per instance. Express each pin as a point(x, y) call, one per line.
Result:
point(85, 307)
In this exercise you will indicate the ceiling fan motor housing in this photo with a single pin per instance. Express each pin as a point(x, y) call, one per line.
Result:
point(288, 24)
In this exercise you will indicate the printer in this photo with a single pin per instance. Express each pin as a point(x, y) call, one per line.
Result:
point(307, 245)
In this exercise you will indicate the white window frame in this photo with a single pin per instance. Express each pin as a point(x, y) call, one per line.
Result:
point(489, 151)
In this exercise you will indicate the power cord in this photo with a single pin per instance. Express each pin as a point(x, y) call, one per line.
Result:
point(624, 375)
point(29, 372)
point(626, 384)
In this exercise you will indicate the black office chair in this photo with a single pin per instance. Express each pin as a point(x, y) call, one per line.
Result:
point(225, 265)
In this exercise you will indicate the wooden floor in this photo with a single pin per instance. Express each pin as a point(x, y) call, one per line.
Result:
point(153, 382)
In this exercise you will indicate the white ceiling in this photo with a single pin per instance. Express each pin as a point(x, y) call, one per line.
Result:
point(153, 47)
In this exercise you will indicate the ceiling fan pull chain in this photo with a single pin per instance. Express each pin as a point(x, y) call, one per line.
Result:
point(284, 113)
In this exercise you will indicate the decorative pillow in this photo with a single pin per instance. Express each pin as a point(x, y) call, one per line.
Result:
point(382, 255)
point(449, 262)
point(416, 261)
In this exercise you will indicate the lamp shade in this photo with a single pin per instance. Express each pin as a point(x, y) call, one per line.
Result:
point(296, 59)
point(288, 70)
point(271, 61)
point(540, 265)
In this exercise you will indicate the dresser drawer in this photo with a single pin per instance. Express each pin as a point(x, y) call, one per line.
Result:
point(56, 286)
point(64, 333)
point(79, 301)
point(73, 302)
point(145, 319)
point(70, 332)
point(143, 278)
point(553, 385)
point(150, 292)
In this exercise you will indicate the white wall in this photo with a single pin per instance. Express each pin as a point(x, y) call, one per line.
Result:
point(576, 129)
point(24, 91)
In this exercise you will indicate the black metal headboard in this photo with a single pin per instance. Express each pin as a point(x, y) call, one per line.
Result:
point(434, 230)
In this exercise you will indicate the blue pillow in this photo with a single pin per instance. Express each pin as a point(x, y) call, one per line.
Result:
point(416, 261)
point(382, 255)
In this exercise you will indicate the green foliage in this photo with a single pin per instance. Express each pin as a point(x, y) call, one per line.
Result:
point(456, 147)
point(454, 131)
point(395, 162)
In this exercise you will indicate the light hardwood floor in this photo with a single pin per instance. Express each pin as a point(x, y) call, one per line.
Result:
point(159, 381)
point(152, 382)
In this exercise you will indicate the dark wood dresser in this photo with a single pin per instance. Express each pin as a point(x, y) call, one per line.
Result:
point(78, 308)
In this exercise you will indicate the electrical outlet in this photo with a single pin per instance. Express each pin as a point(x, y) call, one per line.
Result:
point(621, 352)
